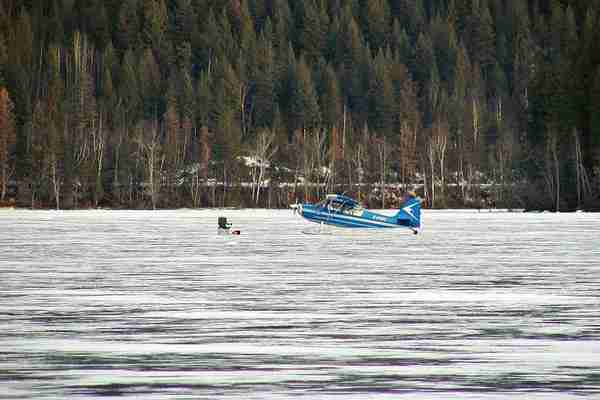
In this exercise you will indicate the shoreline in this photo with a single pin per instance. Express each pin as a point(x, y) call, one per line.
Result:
point(462, 209)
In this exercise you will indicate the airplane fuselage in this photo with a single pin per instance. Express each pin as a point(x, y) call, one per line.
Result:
point(350, 219)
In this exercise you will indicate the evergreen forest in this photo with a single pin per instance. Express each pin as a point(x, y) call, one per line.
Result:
point(261, 103)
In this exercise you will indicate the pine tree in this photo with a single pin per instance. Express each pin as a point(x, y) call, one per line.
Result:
point(183, 33)
point(247, 37)
point(445, 47)
point(106, 88)
point(40, 152)
point(594, 123)
point(53, 123)
point(381, 98)
point(150, 87)
point(351, 58)
point(409, 123)
point(173, 144)
point(282, 20)
point(204, 100)
point(313, 23)
point(482, 36)
point(331, 102)
point(128, 25)
point(304, 110)
point(225, 108)
point(155, 24)
point(20, 83)
point(23, 41)
point(459, 118)
point(209, 42)
point(377, 21)
point(569, 48)
point(129, 91)
point(522, 60)
point(264, 100)
point(7, 140)
point(185, 100)
point(230, 87)
point(3, 59)
point(411, 15)
point(98, 28)
point(425, 58)
point(228, 45)
point(462, 12)
point(404, 47)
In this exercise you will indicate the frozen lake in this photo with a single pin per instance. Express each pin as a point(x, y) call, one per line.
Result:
point(155, 305)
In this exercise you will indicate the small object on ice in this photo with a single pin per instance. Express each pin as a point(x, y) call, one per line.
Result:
point(223, 223)
point(224, 228)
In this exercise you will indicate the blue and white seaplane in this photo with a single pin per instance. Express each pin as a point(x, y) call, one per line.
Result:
point(343, 211)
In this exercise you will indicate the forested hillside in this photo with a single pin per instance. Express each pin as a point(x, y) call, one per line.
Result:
point(187, 103)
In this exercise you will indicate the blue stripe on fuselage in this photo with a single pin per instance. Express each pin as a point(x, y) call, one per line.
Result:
point(339, 223)
point(346, 220)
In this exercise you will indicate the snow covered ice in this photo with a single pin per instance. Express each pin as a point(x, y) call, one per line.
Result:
point(156, 305)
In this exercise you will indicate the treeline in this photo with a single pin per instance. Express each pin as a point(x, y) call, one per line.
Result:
point(171, 103)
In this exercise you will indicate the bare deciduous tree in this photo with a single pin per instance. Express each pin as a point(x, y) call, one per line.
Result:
point(431, 159)
point(504, 156)
point(584, 188)
point(552, 170)
point(359, 155)
point(205, 158)
point(383, 153)
point(318, 150)
point(313, 158)
point(263, 152)
point(98, 143)
point(438, 146)
point(407, 150)
point(150, 148)
point(336, 155)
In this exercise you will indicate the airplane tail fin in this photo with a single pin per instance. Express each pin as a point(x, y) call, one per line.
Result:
point(410, 212)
